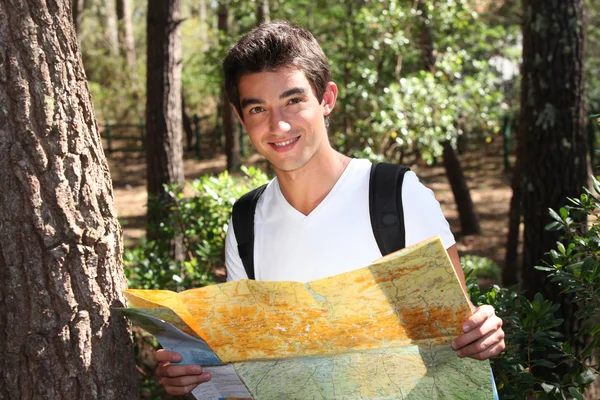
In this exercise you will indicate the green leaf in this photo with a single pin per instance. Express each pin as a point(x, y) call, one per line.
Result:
point(586, 377)
point(575, 393)
point(554, 215)
point(554, 226)
point(595, 330)
point(563, 213)
point(543, 363)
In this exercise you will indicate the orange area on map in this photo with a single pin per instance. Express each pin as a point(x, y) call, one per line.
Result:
point(411, 297)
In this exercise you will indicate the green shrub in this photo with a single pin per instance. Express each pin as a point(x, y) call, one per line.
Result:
point(480, 267)
point(202, 219)
point(534, 345)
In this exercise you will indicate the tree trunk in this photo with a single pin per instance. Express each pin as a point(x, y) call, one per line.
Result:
point(109, 22)
point(425, 37)
point(203, 24)
point(187, 124)
point(77, 15)
point(555, 142)
point(232, 141)
point(163, 111)
point(60, 240)
point(262, 11)
point(554, 125)
point(510, 272)
point(469, 222)
point(126, 40)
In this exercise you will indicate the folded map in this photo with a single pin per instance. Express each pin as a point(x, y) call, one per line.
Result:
point(379, 332)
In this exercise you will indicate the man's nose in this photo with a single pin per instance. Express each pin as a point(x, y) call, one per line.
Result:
point(279, 124)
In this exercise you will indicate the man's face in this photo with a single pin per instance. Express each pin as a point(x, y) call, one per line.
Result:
point(283, 117)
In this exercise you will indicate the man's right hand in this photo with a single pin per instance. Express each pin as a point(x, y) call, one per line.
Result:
point(178, 379)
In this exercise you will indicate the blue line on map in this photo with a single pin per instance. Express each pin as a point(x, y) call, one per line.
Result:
point(315, 294)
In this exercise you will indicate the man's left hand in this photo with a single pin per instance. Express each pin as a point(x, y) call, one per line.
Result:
point(483, 337)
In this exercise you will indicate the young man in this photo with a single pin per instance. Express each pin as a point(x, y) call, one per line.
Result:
point(312, 220)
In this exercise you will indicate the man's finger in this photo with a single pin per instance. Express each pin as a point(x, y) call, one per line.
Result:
point(482, 314)
point(490, 352)
point(167, 356)
point(488, 341)
point(173, 371)
point(186, 381)
point(493, 324)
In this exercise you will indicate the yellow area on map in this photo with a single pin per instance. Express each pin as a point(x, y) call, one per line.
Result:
point(377, 332)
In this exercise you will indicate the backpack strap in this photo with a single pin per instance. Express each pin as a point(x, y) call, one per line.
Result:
point(385, 206)
point(243, 227)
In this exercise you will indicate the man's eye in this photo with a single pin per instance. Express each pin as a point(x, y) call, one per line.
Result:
point(256, 110)
point(295, 100)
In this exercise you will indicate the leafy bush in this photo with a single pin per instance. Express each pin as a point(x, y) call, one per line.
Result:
point(534, 345)
point(202, 219)
point(480, 267)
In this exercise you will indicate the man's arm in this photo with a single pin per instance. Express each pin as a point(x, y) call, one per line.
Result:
point(483, 336)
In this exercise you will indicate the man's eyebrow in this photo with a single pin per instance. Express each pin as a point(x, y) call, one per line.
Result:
point(250, 101)
point(291, 92)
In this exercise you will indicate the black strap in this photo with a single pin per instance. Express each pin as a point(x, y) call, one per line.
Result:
point(385, 206)
point(243, 226)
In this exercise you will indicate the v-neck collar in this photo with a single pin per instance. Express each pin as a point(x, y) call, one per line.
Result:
point(297, 215)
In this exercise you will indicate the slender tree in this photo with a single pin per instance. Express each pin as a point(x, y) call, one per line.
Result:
point(77, 8)
point(60, 241)
point(187, 124)
point(232, 141)
point(163, 111)
point(203, 21)
point(108, 16)
point(126, 39)
point(469, 221)
point(510, 271)
point(554, 123)
point(262, 11)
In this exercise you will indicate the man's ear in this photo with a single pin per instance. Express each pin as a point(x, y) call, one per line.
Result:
point(329, 98)
point(237, 114)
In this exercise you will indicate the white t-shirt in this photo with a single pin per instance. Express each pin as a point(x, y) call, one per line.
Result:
point(336, 236)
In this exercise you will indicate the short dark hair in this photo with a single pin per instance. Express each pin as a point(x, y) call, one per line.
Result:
point(271, 46)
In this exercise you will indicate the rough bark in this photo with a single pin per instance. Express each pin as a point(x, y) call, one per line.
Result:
point(126, 39)
point(554, 120)
point(232, 141)
point(555, 138)
point(164, 156)
point(469, 222)
point(60, 241)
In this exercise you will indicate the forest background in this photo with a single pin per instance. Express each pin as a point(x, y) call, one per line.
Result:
point(500, 98)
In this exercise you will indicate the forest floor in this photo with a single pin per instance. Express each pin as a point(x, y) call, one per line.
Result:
point(488, 182)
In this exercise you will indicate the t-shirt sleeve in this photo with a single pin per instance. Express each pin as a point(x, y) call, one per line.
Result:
point(423, 217)
point(233, 262)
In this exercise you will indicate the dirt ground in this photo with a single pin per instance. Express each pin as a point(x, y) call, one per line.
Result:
point(484, 171)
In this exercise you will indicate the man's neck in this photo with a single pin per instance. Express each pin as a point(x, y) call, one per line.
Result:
point(306, 187)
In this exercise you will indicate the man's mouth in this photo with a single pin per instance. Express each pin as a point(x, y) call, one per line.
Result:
point(285, 143)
